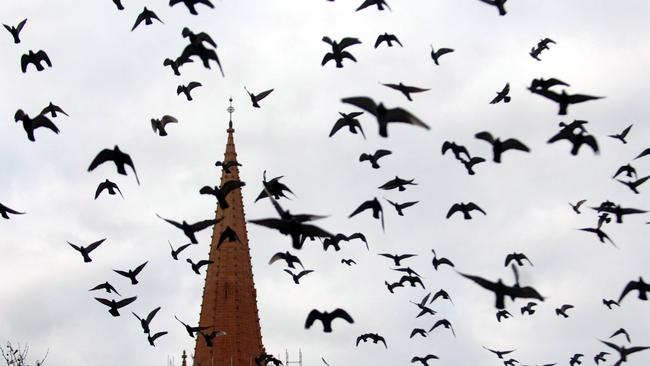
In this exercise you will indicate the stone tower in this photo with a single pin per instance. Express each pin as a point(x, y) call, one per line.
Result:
point(229, 296)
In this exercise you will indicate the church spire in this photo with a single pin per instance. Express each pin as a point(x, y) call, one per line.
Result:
point(229, 296)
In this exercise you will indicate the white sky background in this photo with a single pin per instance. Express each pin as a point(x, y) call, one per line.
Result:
point(111, 81)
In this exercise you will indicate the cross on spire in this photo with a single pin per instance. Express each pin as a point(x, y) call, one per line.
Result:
point(230, 110)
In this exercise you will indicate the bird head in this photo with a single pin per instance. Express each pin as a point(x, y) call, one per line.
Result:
point(19, 115)
point(186, 32)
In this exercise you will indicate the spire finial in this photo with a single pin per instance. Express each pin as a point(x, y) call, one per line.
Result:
point(230, 110)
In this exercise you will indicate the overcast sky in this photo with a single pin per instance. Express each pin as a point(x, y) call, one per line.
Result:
point(111, 82)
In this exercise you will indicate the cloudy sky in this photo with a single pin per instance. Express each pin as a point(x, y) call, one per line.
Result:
point(111, 82)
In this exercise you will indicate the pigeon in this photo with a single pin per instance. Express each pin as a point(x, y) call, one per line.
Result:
point(273, 187)
point(633, 185)
point(424, 360)
point(388, 38)
point(465, 208)
point(132, 274)
point(601, 234)
point(187, 89)
point(563, 99)
point(469, 164)
point(518, 258)
point(546, 84)
point(5, 211)
point(287, 257)
point(401, 206)
point(297, 277)
point(391, 286)
point(562, 310)
point(640, 286)
point(380, 4)
point(435, 55)
point(621, 136)
point(623, 332)
point(375, 206)
point(34, 59)
point(408, 270)
point(628, 169)
point(326, 318)
point(15, 31)
point(116, 305)
point(53, 109)
point(568, 132)
point(397, 258)
point(197, 48)
point(499, 353)
point(576, 207)
point(192, 330)
point(152, 337)
point(643, 153)
point(116, 156)
point(336, 239)
point(107, 185)
point(227, 234)
point(348, 262)
point(541, 46)
point(440, 261)
point(398, 183)
point(502, 96)
point(499, 4)
point(442, 294)
point(177, 251)
point(600, 357)
point(190, 4)
point(176, 64)
point(144, 322)
point(106, 287)
point(418, 331)
point(255, 98)
point(406, 90)
point(501, 290)
point(456, 149)
point(609, 303)
point(618, 211)
point(384, 115)
point(623, 351)
point(196, 267)
point(499, 147)
point(223, 192)
point(29, 124)
point(226, 165)
point(190, 230)
point(374, 337)
point(146, 15)
point(350, 120)
point(209, 337)
point(575, 359)
point(528, 308)
point(413, 281)
point(503, 314)
point(338, 54)
point(372, 158)
point(446, 324)
point(85, 251)
point(158, 125)
point(422, 305)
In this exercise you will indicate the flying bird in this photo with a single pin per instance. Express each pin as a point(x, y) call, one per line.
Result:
point(388, 38)
point(623, 332)
point(621, 136)
point(456, 149)
point(643, 153)
point(152, 337)
point(158, 125)
point(326, 318)
point(190, 4)
point(255, 98)
point(617, 210)
point(576, 207)
point(634, 185)
point(528, 308)
point(501, 290)
point(440, 261)
point(575, 359)
point(5, 211)
point(187, 89)
point(15, 31)
point(228, 234)
point(401, 206)
point(226, 165)
point(563, 99)
point(418, 331)
point(541, 46)
point(384, 115)
point(273, 187)
point(373, 158)
point(623, 351)
point(379, 3)
point(106, 287)
point(298, 276)
point(469, 164)
point(503, 314)
point(424, 360)
point(397, 258)
point(562, 310)
point(209, 337)
point(640, 286)
point(600, 357)
point(398, 183)
point(119, 158)
point(350, 120)
point(577, 139)
point(374, 337)
point(197, 48)
point(30, 124)
point(119, 5)
point(147, 16)
point(601, 234)
point(499, 147)
point(406, 89)
point(222, 193)
point(176, 64)
point(190, 230)
point(338, 54)
point(348, 262)
point(192, 330)
point(518, 258)
point(628, 169)
point(107, 185)
point(85, 251)
point(144, 322)
point(289, 258)
point(116, 305)
point(196, 267)
point(35, 59)
point(465, 208)
point(499, 353)
point(435, 55)
point(442, 294)
point(53, 109)
point(502, 96)
point(132, 274)
point(375, 206)
point(610, 303)
point(499, 4)
point(177, 251)
point(444, 323)
point(545, 84)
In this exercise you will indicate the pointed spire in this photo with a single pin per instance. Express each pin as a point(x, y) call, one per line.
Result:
point(230, 110)
point(184, 357)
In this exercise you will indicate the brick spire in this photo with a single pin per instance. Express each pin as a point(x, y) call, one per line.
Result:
point(229, 296)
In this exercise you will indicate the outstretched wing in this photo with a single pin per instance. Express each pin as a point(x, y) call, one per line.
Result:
point(381, 152)
point(42, 56)
point(230, 186)
point(347, 42)
point(579, 98)
point(124, 302)
point(152, 314)
point(364, 206)
point(514, 144)
point(364, 103)
point(402, 115)
point(171, 222)
point(313, 316)
point(200, 225)
point(103, 156)
point(139, 268)
point(340, 313)
point(485, 136)
point(480, 281)
point(473, 206)
point(263, 94)
point(94, 245)
point(454, 208)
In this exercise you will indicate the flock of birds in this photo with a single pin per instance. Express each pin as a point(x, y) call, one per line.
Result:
point(300, 227)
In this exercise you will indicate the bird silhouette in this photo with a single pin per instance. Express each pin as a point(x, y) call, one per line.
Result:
point(338, 54)
point(197, 48)
point(437, 262)
point(418, 331)
point(192, 330)
point(610, 303)
point(119, 158)
point(577, 139)
point(191, 229)
point(177, 251)
point(209, 337)
point(15, 31)
point(119, 5)
point(273, 187)
point(190, 4)
point(562, 310)
point(640, 286)
point(401, 206)
point(144, 322)
point(30, 124)
point(326, 318)
point(114, 306)
point(379, 3)
point(623, 351)
point(621, 136)
point(350, 120)
point(643, 153)
point(35, 59)
point(289, 258)
point(336, 239)
point(435, 55)
point(600, 357)
point(85, 251)
point(563, 99)
point(107, 185)
point(388, 38)
point(106, 287)
point(392, 286)
point(545, 84)
point(628, 169)
point(528, 308)
point(444, 323)
point(152, 337)
point(176, 63)
point(397, 258)
point(469, 164)
point(601, 234)
point(374, 337)
point(634, 185)
point(502, 290)
point(456, 149)
point(5, 211)
point(398, 183)
point(147, 16)
point(623, 332)
point(412, 280)
point(228, 234)
point(575, 359)
point(187, 89)
point(499, 4)
point(422, 305)
point(226, 165)
point(406, 89)
point(519, 258)
point(576, 207)
point(375, 206)
point(53, 109)
point(198, 38)
point(373, 158)
point(132, 274)
point(424, 360)
point(465, 208)
point(158, 125)
point(298, 276)
point(502, 96)
point(384, 115)
point(441, 294)
point(499, 354)
point(408, 270)
point(196, 267)
point(348, 262)
point(617, 210)
point(503, 314)
point(221, 193)
point(255, 98)
point(541, 46)
point(499, 147)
